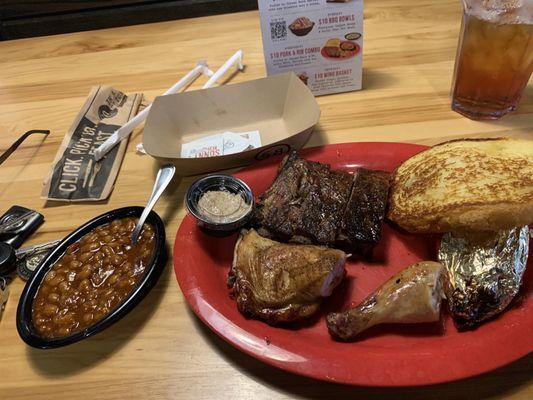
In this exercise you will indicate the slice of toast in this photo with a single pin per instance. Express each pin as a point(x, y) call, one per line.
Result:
point(465, 185)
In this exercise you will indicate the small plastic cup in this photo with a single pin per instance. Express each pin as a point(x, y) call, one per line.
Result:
point(218, 182)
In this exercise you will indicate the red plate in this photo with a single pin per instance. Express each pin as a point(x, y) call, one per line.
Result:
point(390, 355)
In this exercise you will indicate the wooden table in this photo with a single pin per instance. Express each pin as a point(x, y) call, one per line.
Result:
point(161, 350)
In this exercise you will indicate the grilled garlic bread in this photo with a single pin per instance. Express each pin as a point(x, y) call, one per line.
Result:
point(465, 185)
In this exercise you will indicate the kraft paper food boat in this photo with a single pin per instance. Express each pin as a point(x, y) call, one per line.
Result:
point(280, 107)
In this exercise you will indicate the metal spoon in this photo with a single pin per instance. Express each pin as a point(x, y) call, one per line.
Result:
point(164, 176)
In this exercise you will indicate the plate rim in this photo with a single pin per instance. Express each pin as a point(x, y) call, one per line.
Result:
point(214, 320)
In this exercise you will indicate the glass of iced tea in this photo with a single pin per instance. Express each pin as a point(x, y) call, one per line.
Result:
point(494, 58)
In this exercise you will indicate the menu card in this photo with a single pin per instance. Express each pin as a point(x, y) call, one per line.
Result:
point(320, 40)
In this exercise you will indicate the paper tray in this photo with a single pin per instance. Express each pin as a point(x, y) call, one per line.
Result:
point(280, 107)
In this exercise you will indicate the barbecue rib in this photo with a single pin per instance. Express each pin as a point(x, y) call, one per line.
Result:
point(360, 229)
point(310, 203)
point(279, 282)
point(305, 203)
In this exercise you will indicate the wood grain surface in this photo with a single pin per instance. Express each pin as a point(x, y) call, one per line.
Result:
point(161, 350)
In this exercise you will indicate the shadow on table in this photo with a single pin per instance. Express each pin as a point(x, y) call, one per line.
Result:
point(232, 75)
point(374, 79)
point(503, 381)
point(31, 147)
point(318, 138)
point(57, 203)
point(81, 356)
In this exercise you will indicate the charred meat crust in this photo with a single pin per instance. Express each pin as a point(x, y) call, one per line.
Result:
point(305, 203)
point(360, 227)
point(310, 203)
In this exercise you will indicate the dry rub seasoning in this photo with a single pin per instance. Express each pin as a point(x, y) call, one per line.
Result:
point(75, 175)
point(222, 207)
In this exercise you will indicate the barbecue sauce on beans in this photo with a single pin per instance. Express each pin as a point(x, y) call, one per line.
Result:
point(91, 278)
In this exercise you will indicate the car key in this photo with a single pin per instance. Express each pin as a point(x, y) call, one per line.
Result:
point(17, 224)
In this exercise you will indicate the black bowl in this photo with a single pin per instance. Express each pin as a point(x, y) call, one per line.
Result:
point(25, 326)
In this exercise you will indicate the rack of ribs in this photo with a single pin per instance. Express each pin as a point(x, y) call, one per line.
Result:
point(312, 204)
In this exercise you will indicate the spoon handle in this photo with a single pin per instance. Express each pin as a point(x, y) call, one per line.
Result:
point(164, 176)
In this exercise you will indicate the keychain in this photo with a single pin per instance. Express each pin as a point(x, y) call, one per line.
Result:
point(29, 258)
point(25, 260)
point(4, 294)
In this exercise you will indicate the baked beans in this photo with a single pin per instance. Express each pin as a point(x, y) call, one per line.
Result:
point(91, 278)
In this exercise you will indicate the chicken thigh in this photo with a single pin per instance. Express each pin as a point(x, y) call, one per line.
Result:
point(279, 282)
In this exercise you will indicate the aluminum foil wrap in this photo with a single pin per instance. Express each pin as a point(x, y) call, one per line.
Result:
point(485, 272)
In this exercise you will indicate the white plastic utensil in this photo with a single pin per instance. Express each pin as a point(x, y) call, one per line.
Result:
point(128, 127)
point(164, 176)
point(201, 67)
point(235, 58)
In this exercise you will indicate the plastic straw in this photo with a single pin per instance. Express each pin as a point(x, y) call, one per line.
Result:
point(235, 58)
point(126, 129)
